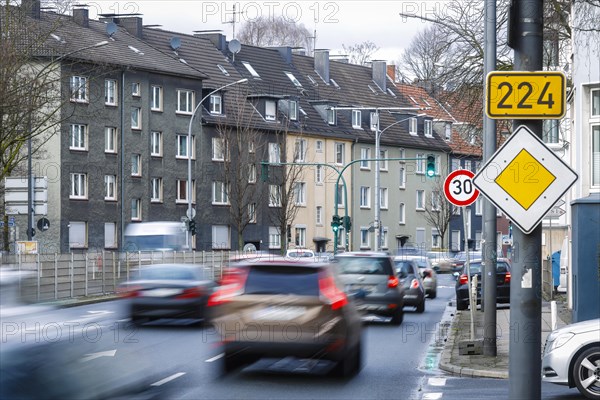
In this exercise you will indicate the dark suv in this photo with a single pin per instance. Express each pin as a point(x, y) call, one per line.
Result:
point(374, 277)
point(502, 283)
point(284, 308)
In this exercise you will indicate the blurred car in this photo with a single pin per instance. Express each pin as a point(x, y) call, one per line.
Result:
point(168, 291)
point(373, 275)
point(427, 272)
point(410, 277)
point(502, 283)
point(440, 261)
point(300, 254)
point(460, 258)
point(572, 357)
point(284, 308)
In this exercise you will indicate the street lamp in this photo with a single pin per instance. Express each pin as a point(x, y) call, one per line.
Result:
point(30, 183)
point(190, 212)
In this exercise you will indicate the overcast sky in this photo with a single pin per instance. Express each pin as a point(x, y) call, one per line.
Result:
point(336, 23)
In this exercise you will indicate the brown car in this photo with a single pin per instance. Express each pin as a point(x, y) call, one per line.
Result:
point(282, 308)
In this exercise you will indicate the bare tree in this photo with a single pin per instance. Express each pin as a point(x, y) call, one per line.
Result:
point(267, 32)
point(438, 210)
point(360, 53)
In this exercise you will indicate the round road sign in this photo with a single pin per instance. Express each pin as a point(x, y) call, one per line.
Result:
point(459, 188)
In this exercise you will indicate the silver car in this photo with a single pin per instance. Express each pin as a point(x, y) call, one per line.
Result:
point(572, 357)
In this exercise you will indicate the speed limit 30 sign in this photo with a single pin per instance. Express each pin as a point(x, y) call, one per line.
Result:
point(459, 189)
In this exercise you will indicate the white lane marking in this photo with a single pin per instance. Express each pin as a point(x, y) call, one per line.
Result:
point(432, 396)
point(168, 379)
point(437, 381)
point(215, 358)
point(93, 356)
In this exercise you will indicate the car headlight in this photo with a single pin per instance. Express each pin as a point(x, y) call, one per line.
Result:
point(559, 340)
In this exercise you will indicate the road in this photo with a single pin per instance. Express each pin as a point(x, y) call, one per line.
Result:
point(181, 360)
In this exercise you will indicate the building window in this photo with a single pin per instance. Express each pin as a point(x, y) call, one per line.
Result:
point(136, 89)
point(299, 150)
point(365, 197)
point(110, 139)
point(221, 237)
point(251, 147)
point(340, 195)
point(365, 242)
point(110, 187)
point(274, 153)
point(428, 128)
point(420, 200)
point(157, 190)
point(595, 102)
point(420, 237)
point(251, 69)
point(300, 237)
point(270, 110)
point(365, 155)
point(436, 239)
point(136, 165)
point(274, 196)
point(448, 131)
point(252, 213)
point(331, 116)
point(478, 206)
point(218, 149)
point(412, 126)
point(319, 175)
point(251, 173)
point(182, 191)
point(156, 144)
point(78, 186)
point(110, 92)
point(319, 146)
point(292, 78)
point(182, 147)
point(383, 162)
point(550, 131)
point(136, 209)
point(383, 239)
point(79, 89)
point(595, 162)
point(402, 173)
point(215, 105)
point(110, 235)
point(420, 163)
point(157, 98)
point(185, 101)
point(78, 137)
point(300, 193)
point(356, 119)
point(220, 194)
point(374, 121)
point(319, 215)
point(341, 238)
point(293, 106)
point(383, 198)
point(136, 118)
point(478, 240)
point(339, 153)
point(274, 238)
point(455, 164)
point(78, 237)
point(435, 201)
point(402, 212)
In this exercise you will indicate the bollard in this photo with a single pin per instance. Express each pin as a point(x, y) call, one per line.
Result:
point(553, 315)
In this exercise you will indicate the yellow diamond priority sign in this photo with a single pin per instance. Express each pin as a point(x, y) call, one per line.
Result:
point(524, 179)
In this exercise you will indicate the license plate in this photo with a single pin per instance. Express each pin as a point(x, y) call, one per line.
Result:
point(357, 287)
point(161, 292)
point(279, 313)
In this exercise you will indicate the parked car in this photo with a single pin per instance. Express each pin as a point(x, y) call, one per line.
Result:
point(168, 291)
point(460, 258)
point(502, 283)
point(284, 308)
point(410, 277)
point(373, 275)
point(572, 357)
point(427, 272)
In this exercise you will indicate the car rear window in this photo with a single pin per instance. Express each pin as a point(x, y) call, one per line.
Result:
point(364, 265)
point(279, 279)
point(501, 267)
point(404, 268)
point(168, 273)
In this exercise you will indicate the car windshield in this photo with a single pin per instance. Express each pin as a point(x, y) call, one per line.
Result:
point(168, 273)
point(277, 279)
point(363, 265)
point(404, 268)
point(297, 254)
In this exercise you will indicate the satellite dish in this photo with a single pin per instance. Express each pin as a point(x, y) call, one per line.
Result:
point(175, 43)
point(111, 29)
point(234, 46)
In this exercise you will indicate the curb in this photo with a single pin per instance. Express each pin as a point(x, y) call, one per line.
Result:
point(67, 303)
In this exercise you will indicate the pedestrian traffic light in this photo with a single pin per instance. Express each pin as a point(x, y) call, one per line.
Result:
point(430, 165)
point(347, 223)
point(335, 223)
point(192, 227)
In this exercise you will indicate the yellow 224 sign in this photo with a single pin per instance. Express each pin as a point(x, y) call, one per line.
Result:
point(526, 95)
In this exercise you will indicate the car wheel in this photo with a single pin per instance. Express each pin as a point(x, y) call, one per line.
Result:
point(421, 307)
point(234, 361)
point(586, 373)
point(433, 294)
point(350, 365)
point(397, 317)
point(460, 305)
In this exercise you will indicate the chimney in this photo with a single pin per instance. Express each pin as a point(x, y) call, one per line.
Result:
point(81, 17)
point(133, 25)
point(32, 7)
point(322, 64)
point(285, 53)
point(391, 72)
point(217, 39)
point(379, 71)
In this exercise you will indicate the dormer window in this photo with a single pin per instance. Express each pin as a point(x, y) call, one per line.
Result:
point(216, 105)
point(448, 131)
point(356, 119)
point(374, 121)
point(428, 128)
point(412, 126)
point(270, 110)
point(251, 69)
point(293, 79)
point(331, 117)
point(223, 70)
point(293, 110)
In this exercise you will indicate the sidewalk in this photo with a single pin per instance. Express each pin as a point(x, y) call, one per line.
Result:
point(480, 365)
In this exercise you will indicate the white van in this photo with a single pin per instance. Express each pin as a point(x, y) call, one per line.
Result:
point(155, 236)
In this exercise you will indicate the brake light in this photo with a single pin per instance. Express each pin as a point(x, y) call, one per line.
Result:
point(190, 293)
point(232, 284)
point(507, 277)
point(464, 279)
point(393, 282)
point(414, 284)
point(328, 289)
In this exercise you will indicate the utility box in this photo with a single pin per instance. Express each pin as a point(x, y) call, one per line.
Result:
point(586, 257)
point(470, 347)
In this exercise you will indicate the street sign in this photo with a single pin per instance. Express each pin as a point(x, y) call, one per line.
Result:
point(524, 179)
point(526, 95)
point(192, 214)
point(555, 212)
point(459, 189)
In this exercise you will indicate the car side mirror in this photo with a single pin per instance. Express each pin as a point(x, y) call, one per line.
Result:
point(456, 275)
point(426, 274)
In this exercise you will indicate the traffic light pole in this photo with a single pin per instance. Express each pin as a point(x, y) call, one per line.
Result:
point(525, 287)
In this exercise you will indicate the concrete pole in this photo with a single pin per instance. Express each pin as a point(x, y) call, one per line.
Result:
point(489, 211)
point(377, 221)
point(525, 297)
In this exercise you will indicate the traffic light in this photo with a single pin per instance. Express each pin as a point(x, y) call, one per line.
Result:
point(347, 223)
point(430, 165)
point(192, 227)
point(335, 223)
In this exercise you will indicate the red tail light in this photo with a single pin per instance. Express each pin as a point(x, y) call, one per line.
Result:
point(129, 291)
point(507, 277)
point(464, 279)
point(190, 293)
point(393, 282)
point(414, 284)
point(328, 289)
point(232, 284)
